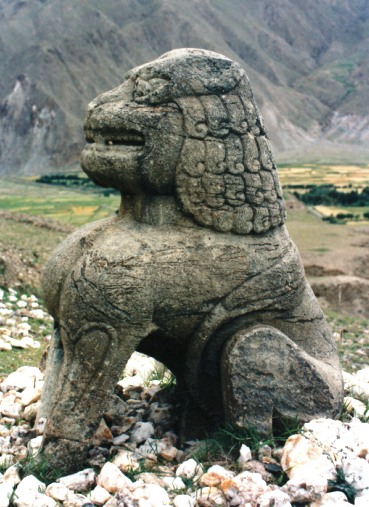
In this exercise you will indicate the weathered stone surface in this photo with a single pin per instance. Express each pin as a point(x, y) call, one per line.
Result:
point(196, 262)
point(112, 479)
point(11, 476)
point(81, 481)
point(58, 491)
point(245, 455)
point(274, 498)
point(29, 494)
point(190, 469)
point(6, 491)
point(24, 377)
point(99, 495)
point(334, 499)
point(184, 501)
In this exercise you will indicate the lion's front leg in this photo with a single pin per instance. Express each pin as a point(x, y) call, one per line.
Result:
point(93, 360)
point(52, 377)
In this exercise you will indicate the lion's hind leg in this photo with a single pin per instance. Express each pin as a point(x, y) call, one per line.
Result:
point(265, 373)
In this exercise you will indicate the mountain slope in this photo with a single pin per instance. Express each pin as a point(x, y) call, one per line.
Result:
point(308, 62)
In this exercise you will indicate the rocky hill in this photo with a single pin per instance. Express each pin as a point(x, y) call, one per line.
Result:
point(308, 62)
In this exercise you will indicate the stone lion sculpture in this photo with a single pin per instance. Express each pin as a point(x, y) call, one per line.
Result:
point(196, 270)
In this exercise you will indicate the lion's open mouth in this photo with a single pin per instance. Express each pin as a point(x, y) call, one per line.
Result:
point(129, 139)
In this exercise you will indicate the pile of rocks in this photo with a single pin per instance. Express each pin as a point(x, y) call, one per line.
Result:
point(135, 460)
point(16, 316)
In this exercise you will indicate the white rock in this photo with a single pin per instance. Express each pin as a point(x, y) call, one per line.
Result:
point(20, 379)
point(126, 461)
point(211, 496)
point(130, 382)
point(323, 431)
point(334, 499)
point(143, 365)
point(6, 460)
point(28, 494)
point(99, 495)
point(30, 412)
point(274, 498)
point(249, 485)
point(81, 481)
point(359, 437)
point(113, 502)
point(142, 431)
point(245, 455)
point(215, 475)
point(4, 345)
point(184, 501)
point(160, 413)
point(37, 314)
point(356, 472)
point(120, 439)
point(29, 485)
point(304, 455)
point(363, 375)
point(354, 406)
point(190, 469)
point(34, 446)
point(359, 389)
point(169, 453)
point(24, 326)
point(16, 343)
point(112, 479)
point(30, 395)
point(151, 447)
point(58, 492)
point(148, 495)
point(28, 343)
point(6, 491)
point(174, 483)
point(10, 405)
point(362, 501)
point(306, 490)
point(11, 476)
point(76, 500)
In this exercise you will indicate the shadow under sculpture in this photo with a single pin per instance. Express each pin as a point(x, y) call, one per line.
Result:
point(196, 270)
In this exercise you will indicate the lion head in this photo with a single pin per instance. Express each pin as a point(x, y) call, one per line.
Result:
point(187, 125)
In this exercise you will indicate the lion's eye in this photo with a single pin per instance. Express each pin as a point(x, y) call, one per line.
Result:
point(142, 88)
point(149, 90)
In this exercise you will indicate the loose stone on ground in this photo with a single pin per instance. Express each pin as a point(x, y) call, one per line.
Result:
point(146, 468)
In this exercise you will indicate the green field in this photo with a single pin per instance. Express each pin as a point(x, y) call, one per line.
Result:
point(67, 205)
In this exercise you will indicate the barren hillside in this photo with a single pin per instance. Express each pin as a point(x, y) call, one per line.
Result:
point(308, 62)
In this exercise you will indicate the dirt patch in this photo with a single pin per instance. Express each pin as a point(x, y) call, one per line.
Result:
point(342, 293)
point(37, 221)
point(16, 271)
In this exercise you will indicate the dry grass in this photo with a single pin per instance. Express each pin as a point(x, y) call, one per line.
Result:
point(311, 174)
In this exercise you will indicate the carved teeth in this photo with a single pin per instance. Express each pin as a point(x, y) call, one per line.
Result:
point(129, 139)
